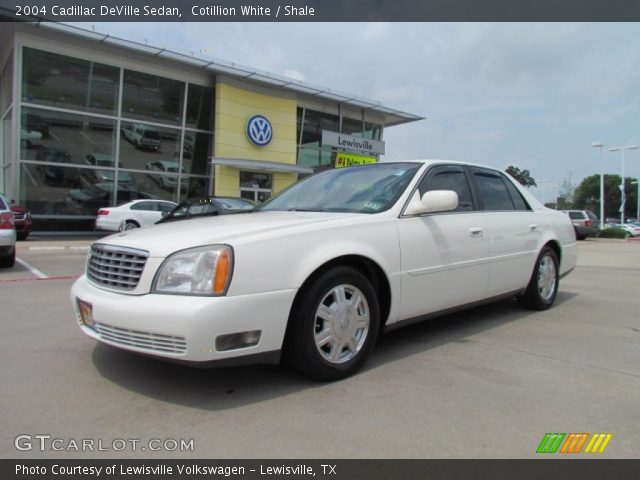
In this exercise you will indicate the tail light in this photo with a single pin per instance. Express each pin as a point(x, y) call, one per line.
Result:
point(7, 221)
point(103, 211)
point(588, 223)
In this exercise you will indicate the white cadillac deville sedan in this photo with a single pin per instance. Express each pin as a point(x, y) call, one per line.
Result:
point(322, 268)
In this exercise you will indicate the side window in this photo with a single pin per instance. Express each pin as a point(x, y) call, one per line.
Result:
point(492, 191)
point(165, 207)
point(449, 178)
point(144, 206)
point(516, 196)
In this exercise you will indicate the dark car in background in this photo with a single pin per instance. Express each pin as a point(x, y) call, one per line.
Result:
point(585, 223)
point(22, 220)
point(207, 207)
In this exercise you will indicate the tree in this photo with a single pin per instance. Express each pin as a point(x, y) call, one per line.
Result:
point(587, 195)
point(522, 176)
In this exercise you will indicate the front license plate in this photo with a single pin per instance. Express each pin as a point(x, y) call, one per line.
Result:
point(86, 313)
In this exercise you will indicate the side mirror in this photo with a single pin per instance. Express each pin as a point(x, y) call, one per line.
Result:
point(433, 201)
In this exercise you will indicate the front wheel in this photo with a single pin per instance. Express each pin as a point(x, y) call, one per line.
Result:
point(333, 325)
point(543, 285)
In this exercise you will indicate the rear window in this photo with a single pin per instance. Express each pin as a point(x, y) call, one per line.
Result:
point(576, 216)
point(3, 205)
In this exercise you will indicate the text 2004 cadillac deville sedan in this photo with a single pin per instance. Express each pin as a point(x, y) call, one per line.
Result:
point(322, 268)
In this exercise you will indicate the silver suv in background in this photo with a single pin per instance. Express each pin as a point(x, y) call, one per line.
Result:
point(7, 234)
point(585, 223)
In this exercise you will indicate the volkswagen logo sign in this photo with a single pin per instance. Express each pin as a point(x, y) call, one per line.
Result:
point(259, 130)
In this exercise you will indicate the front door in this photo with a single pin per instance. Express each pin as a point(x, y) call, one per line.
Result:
point(445, 255)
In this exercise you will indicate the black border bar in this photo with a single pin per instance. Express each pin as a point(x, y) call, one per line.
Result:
point(322, 10)
point(544, 468)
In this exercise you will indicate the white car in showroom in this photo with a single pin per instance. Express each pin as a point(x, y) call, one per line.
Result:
point(318, 271)
point(134, 214)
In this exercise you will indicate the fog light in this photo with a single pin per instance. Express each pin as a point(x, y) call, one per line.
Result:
point(234, 341)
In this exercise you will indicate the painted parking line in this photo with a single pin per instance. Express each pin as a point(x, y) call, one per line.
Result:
point(31, 268)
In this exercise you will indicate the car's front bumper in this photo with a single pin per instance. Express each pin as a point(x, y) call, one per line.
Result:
point(183, 328)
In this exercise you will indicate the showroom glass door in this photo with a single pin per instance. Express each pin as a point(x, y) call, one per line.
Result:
point(256, 186)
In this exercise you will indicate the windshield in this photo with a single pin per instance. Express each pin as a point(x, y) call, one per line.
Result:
point(362, 189)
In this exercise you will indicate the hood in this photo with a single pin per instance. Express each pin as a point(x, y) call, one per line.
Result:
point(164, 239)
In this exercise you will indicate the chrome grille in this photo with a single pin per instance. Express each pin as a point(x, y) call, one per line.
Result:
point(116, 267)
point(145, 340)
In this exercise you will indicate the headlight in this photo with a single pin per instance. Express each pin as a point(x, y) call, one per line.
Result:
point(196, 271)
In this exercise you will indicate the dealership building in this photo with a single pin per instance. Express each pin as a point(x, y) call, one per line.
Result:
point(90, 120)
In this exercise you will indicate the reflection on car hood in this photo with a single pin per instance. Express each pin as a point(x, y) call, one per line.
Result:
point(162, 240)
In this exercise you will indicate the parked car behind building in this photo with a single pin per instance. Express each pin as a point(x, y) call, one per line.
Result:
point(7, 234)
point(585, 223)
point(22, 220)
point(135, 214)
point(208, 207)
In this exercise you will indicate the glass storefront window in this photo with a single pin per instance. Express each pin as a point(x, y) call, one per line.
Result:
point(352, 127)
point(47, 135)
point(150, 185)
point(316, 158)
point(152, 98)
point(256, 180)
point(142, 144)
point(61, 81)
point(196, 151)
point(6, 85)
point(314, 123)
point(59, 190)
point(372, 131)
point(196, 187)
point(200, 107)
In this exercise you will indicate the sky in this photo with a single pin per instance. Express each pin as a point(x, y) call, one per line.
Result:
point(533, 95)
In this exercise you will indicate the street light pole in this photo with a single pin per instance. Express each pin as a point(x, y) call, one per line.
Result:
point(600, 145)
point(622, 195)
point(542, 182)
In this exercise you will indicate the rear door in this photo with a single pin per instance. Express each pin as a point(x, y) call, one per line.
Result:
point(511, 228)
point(444, 255)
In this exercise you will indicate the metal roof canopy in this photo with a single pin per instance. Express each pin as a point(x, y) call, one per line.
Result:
point(392, 116)
point(259, 165)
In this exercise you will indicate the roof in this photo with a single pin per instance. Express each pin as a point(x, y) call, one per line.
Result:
point(392, 116)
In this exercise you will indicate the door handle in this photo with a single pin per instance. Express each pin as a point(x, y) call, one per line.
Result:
point(533, 227)
point(475, 231)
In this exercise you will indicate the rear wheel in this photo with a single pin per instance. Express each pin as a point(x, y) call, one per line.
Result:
point(543, 285)
point(128, 225)
point(333, 325)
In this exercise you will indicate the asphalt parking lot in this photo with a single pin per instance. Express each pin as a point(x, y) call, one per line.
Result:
point(484, 383)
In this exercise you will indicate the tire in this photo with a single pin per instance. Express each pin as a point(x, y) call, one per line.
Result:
point(543, 286)
point(348, 335)
point(8, 261)
point(22, 236)
point(128, 225)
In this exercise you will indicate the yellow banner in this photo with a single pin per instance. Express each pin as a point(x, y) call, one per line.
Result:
point(349, 160)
